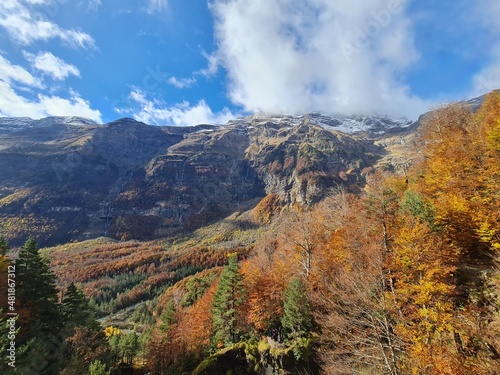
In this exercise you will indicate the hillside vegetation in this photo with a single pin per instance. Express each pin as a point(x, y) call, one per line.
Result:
point(399, 277)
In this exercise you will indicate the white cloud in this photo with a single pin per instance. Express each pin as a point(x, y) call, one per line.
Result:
point(158, 112)
point(52, 65)
point(213, 65)
point(155, 6)
point(181, 83)
point(94, 4)
point(14, 105)
point(10, 73)
point(39, 2)
point(25, 26)
point(488, 78)
point(297, 56)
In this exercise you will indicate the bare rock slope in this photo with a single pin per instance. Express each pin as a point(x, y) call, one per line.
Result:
point(66, 178)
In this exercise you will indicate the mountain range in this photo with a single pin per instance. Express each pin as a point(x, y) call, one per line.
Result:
point(68, 178)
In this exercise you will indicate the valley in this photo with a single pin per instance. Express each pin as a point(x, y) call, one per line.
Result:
point(269, 245)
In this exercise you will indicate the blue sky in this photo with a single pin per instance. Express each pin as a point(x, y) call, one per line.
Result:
point(183, 62)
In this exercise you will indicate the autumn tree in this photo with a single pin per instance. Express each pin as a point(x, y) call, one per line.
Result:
point(267, 273)
point(424, 266)
point(354, 304)
point(195, 325)
point(460, 176)
point(301, 236)
point(85, 346)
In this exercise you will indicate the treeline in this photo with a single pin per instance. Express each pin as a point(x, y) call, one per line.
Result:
point(399, 280)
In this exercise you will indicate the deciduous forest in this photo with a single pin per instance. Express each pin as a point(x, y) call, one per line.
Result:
point(400, 277)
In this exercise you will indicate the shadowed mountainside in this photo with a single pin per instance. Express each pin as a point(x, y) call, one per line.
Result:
point(68, 178)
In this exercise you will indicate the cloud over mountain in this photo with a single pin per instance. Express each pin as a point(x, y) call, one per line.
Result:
point(330, 56)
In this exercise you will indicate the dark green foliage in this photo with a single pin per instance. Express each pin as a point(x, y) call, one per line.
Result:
point(124, 348)
point(4, 246)
point(130, 346)
point(113, 298)
point(229, 296)
point(97, 368)
point(76, 310)
point(142, 315)
point(39, 355)
point(168, 316)
point(297, 320)
point(37, 291)
point(416, 206)
point(4, 330)
point(186, 271)
point(196, 287)
point(54, 338)
point(86, 339)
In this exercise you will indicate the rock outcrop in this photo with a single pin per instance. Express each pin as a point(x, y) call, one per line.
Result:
point(66, 178)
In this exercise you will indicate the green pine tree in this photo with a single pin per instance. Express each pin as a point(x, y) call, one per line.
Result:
point(98, 368)
point(40, 339)
point(229, 295)
point(417, 207)
point(4, 246)
point(76, 310)
point(168, 316)
point(4, 331)
point(297, 319)
point(4, 266)
point(131, 347)
point(37, 291)
point(86, 337)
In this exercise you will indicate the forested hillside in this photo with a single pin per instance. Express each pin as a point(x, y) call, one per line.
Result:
point(397, 277)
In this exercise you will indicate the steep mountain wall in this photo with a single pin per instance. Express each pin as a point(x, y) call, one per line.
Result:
point(68, 178)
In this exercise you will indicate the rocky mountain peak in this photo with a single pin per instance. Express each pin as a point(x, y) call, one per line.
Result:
point(374, 125)
point(70, 177)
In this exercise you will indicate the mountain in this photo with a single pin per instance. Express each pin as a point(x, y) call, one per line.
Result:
point(69, 178)
point(257, 278)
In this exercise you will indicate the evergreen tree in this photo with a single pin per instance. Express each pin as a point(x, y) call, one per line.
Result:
point(417, 207)
point(130, 347)
point(229, 296)
point(168, 316)
point(4, 246)
point(4, 266)
point(297, 319)
point(37, 291)
point(4, 331)
point(86, 340)
point(97, 368)
point(114, 344)
point(40, 339)
point(76, 310)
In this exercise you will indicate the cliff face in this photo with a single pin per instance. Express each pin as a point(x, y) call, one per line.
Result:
point(68, 178)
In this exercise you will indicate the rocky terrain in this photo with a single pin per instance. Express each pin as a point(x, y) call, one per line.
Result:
point(68, 178)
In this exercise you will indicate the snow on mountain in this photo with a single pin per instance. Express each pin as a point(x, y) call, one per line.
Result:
point(345, 124)
point(13, 124)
